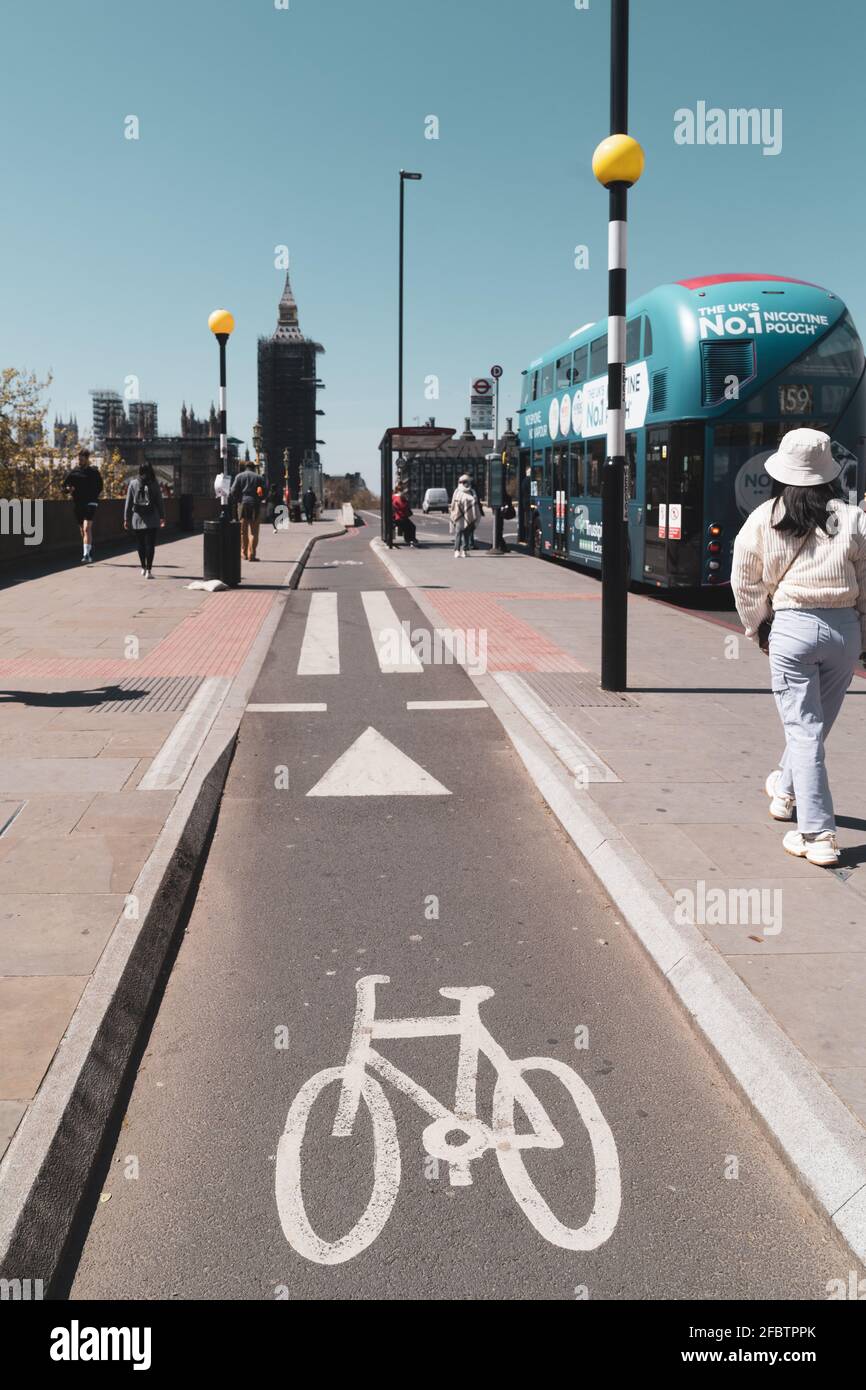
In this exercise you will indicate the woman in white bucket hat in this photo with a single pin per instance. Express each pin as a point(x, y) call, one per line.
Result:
point(799, 582)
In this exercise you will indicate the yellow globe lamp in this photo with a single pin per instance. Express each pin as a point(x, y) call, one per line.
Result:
point(221, 321)
point(618, 159)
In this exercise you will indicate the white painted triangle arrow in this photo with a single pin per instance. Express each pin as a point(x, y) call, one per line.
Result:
point(374, 767)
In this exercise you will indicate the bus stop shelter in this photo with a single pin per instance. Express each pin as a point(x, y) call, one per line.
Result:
point(415, 439)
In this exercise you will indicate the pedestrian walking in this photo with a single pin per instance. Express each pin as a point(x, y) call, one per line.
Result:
point(402, 513)
point(84, 483)
point(473, 490)
point(799, 582)
point(144, 512)
point(274, 505)
point(463, 514)
point(248, 491)
point(309, 501)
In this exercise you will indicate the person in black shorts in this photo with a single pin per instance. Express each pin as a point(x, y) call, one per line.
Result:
point(84, 482)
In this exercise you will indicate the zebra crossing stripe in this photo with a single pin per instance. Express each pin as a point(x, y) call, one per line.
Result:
point(320, 650)
point(393, 648)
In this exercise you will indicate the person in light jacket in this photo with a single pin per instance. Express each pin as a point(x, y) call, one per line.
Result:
point(799, 583)
point(463, 514)
point(145, 514)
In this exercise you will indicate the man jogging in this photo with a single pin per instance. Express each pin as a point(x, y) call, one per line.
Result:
point(84, 482)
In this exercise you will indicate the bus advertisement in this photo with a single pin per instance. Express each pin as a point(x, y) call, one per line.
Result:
point(718, 369)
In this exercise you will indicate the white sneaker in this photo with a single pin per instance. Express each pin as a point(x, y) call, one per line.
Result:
point(819, 849)
point(782, 806)
point(148, 574)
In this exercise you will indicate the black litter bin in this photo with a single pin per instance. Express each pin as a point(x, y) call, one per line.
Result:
point(295, 511)
point(222, 551)
point(186, 519)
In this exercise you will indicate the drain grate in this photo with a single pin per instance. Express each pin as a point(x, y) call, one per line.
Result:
point(155, 694)
point(575, 690)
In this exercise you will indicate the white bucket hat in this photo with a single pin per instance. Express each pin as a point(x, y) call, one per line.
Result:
point(804, 458)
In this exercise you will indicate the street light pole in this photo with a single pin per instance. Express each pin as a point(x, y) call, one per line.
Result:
point(404, 175)
point(221, 324)
point(222, 538)
point(617, 164)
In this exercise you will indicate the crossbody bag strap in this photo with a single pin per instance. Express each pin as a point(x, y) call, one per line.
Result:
point(800, 548)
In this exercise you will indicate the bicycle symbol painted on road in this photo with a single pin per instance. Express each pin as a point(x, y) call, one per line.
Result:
point(357, 1083)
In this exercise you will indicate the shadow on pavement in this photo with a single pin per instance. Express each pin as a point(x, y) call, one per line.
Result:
point(70, 699)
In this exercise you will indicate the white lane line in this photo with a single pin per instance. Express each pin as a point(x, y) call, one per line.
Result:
point(446, 704)
point(373, 766)
point(320, 650)
point(311, 708)
point(170, 767)
point(390, 639)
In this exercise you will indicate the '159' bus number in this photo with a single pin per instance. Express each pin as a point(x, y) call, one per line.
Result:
point(795, 400)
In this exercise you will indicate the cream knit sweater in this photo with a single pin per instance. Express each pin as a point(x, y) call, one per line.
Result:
point(829, 571)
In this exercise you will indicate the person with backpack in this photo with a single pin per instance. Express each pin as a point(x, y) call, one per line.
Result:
point(84, 482)
point(799, 583)
point(463, 515)
point(309, 501)
point(144, 512)
point(248, 489)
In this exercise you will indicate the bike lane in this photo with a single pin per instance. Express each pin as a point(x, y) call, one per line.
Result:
point(458, 878)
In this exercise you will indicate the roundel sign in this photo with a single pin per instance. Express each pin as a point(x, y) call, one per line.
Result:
point(565, 414)
point(496, 373)
point(481, 386)
point(752, 484)
point(553, 419)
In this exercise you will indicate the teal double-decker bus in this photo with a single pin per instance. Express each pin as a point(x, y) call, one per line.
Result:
point(718, 369)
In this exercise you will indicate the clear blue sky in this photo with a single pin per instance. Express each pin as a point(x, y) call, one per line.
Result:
point(261, 126)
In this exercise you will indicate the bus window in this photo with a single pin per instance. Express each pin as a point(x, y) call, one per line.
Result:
point(547, 379)
point(547, 474)
point(535, 380)
point(632, 340)
point(840, 353)
point(598, 356)
point(525, 388)
point(631, 466)
point(575, 473)
point(647, 336)
point(579, 366)
point(563, 373)
point(594, 465)
point(536, 477)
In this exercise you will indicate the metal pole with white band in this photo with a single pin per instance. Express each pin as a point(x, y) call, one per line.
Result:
point(617, 164)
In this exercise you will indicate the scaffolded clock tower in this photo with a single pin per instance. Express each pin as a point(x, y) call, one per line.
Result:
point(287, 396)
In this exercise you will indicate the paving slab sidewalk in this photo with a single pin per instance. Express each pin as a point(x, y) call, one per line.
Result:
point(688, 752)
point(99, 669)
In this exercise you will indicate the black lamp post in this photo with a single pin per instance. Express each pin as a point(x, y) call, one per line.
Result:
point(222, 555)
point(617, 164)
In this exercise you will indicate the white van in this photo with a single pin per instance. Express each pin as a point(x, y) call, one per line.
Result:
point(436, 499)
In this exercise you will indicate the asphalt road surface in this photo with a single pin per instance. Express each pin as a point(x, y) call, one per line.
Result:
point(371, 839)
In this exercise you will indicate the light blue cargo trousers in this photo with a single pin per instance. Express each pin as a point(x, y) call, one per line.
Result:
point(813, 653)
